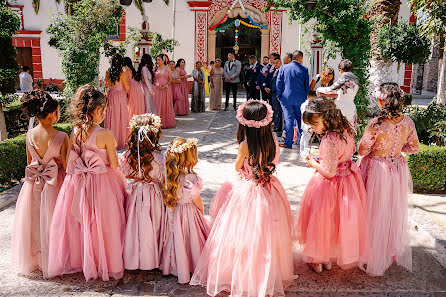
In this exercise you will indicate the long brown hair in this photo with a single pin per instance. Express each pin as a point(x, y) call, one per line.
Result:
point(334, 120)
point(393, 104)
point(261, 144)
point(146, 147)
point(177, 164)
point(85, 101)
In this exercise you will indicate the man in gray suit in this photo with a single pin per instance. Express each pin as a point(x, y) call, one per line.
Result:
point(232, 72)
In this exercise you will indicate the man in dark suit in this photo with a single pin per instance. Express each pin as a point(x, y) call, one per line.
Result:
point(252, 74)
point(261, 80)
point(232, 71)
point(271, 88)
point(292, 88)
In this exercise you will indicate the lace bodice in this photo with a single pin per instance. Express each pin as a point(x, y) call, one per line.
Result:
point(389, 139)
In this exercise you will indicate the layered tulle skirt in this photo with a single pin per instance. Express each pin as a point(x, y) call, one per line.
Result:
point(388, 184)
point(331, 223)
point(249, 249)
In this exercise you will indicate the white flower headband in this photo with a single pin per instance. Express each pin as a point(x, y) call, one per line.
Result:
point(154, 127)
point(190, 143)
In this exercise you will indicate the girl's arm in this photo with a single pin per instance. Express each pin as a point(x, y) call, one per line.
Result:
point(110, 145)
point(242, 154)
point(199, 203)
point(328, 152)
point(64, 151)
point(313, 83)
point(367, 140)
point(412, 146)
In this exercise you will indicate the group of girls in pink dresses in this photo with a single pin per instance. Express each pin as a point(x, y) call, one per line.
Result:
point(100, 225)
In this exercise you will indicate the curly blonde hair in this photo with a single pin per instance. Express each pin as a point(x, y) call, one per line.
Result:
point(177, 164)
point(146, 148)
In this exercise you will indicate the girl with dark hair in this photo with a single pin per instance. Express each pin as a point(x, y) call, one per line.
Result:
point(136, 104)
point(89, 219)
point(387, 180)
point(46, 150)
point(163, 97)
point(117, 118)
point(145, 76)
point(332, 221)
point(182, 97)
point(143, 163)
point(249, 250)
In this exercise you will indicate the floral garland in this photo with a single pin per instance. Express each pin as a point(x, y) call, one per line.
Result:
point(154, 127)
point(252, 123)
point(190, 143)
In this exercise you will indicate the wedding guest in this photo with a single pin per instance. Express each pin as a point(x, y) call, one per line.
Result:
point(217, 74)
point(232, 70)
point(198, 95)
point(145, 76)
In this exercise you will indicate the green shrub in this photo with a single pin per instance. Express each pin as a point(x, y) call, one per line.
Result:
point(13, 156)
point(426, 120)
point(408, 99)
point(428, 169)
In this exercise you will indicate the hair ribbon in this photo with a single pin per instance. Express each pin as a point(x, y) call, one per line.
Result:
point(142, 133)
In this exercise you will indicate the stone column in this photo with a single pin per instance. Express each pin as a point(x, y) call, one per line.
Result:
point(264, 49)
point(212, 43)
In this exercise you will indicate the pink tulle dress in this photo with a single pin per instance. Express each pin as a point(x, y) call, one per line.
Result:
point(249, 249)
point(186, 233)
point(388, 182)
point(331, 223)
point(117, 117)
point(146, 216)
point(35, 205)
point(87, 231)
point(163, 98)
point(182, 96)
point(136, 104)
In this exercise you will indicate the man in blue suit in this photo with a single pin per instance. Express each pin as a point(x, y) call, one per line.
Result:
point(292, 88)
point(261, 80)
point(251, 78)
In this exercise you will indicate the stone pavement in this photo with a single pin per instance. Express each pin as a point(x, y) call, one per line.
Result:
point(217, 151)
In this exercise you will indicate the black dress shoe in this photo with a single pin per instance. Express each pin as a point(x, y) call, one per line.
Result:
point(226, 108)
point(235, 107)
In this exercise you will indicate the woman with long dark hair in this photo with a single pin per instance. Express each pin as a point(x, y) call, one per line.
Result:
point(182, 97)
point(136, 103)
point(145, 76)
point(163, 93)
point(117, 118)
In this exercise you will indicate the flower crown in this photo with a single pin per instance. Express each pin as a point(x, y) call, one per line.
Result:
point(253, 123)
point(383, 96)
point(190, 143)
point(154, 127)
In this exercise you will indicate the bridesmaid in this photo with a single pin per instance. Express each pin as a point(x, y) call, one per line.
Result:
point(136, 104)
point(216, 85)
point(182, 101)
point(175, 83)
point(117, 118)
point(145, 76)
point(163, 93)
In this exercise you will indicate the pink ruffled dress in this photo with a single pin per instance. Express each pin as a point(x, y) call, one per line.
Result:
point(146, 216)
point(186, 232)
point(182, 96)
point(249, 249)
point(331, 223)
point(388, 183)
point(117, 117)
point(35, 206)
point(163, 99)
point(87, 231)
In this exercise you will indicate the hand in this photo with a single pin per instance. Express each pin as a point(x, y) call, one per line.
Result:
point(187, 76)
point(248, 84)
point(243, 86)
point(152, 93)
point(267, 90)
point(258, 88)
point(229, 79)
point(311, 162)
point(318, 93)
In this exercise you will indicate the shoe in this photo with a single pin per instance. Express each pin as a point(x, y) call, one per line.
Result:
point(226, 108)
point(235, 107)
point(316, 267)
point(327, 266)
point(283, 145)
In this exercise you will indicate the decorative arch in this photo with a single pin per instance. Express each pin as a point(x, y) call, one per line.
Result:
point(258, 16)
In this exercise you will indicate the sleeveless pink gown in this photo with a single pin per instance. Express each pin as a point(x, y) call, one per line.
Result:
point(249, 250)
point(136, 104)
point(182, 96)
point(163, 99)
point(146, 217)
point(35, 205)
point(332, 219)
point(186, 232)
point(87, 231)
point(388, 183)
point(117, 117)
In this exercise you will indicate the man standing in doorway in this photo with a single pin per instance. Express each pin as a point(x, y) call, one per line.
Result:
point(251, 78)
point(292, 86)
point(26, 80)
point(232, 72)
point(261, 80)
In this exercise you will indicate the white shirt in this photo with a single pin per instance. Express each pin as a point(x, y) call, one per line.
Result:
point(26, 82)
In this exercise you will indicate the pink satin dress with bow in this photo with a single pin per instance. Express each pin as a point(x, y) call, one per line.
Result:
point(87, 231)
point(146, 216)
point(388, 183)
point(331, 222)
point(35, 205)
point(186, 232)
point(249, 250)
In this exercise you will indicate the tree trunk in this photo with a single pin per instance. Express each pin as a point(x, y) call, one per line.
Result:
point(3, 132)
point(441, 87)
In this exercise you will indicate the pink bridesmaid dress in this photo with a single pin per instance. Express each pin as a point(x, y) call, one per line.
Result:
point(187, 232)
point(146, 216)
point(388, 183)
point(117, 117)
point(35, 205)
point(136, 104)
point(182, 96)
point(249, 250)
point(332, 219)
point(87, 231)
point(146, 81)
point(163, 99)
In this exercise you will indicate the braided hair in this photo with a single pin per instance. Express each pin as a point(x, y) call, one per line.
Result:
point(393, 101)
point(38, 104)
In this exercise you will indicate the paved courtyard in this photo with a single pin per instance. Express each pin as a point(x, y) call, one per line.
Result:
point(217, 151)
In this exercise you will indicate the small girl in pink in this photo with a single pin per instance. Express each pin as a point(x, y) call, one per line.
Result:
point(187, 228)
point(387, 180)
point(332, 220)
point(46, 150)
point(89, 220)
point(144, 208)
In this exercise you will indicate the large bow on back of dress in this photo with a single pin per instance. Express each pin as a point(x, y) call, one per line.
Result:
point(41, 174)
point(83, 204)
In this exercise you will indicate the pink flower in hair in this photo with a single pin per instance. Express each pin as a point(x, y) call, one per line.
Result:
point(253, 123)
